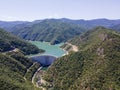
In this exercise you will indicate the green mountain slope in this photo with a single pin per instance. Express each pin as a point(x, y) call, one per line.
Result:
point(10, 42)
point(88, 24)
point(13, 70)
point(8, 25)
point(16, 71)
point(94, 67)
point(53, 30)
point(116, 27)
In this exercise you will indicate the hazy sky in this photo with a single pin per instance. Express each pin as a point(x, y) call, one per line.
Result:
point(29, 10)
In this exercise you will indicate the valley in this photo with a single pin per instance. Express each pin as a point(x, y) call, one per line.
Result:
point(59, 44)
point(61, 56)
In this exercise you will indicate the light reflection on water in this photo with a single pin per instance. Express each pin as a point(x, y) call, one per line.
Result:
point(52, 50)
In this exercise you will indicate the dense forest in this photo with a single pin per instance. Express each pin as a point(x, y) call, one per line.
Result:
point(53, 31)
point(116, 27)
point(10, 42)
point(94, 67)
point(14, 75)
point(59, 30)
point(16, 70)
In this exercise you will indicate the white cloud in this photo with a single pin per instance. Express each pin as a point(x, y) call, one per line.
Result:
point(54, 16)
point(8, 18)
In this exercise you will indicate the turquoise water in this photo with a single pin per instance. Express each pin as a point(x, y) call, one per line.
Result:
point(53, 50)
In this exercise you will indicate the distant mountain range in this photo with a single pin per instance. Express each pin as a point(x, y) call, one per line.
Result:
point(8, 25)
point(55, 30)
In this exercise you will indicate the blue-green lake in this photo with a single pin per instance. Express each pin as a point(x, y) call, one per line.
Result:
point(53, 50)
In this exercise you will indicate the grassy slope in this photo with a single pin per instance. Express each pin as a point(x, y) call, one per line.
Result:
point(94, 67)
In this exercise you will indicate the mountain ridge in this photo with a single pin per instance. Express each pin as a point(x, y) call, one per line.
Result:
point(53, 31)
point(94, 67)
point(56, 30)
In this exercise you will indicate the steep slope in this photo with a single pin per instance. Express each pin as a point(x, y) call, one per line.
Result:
point(116, 27)
point(53, 30)
point(13, 70)
point(16, 71)
point(94, 67)
point(10, 42)
point(9, 25)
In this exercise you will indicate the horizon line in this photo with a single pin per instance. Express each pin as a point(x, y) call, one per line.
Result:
point(57, 19)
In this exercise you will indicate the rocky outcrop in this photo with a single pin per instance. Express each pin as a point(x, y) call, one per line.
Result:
point(103, 37)
point(69, 47)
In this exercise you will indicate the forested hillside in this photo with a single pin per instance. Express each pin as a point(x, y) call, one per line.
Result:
point(10, 42)
point(13, 70)
point(8, 25)
point(116, 27)
point(16, 71)
point(54, 31)
point(94, 67)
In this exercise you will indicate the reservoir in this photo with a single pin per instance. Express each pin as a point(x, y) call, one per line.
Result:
point(52, 52)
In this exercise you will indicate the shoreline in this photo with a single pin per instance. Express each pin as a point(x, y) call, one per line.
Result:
point(61, 52)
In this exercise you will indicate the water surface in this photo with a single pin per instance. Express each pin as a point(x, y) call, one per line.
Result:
point(52, 50)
